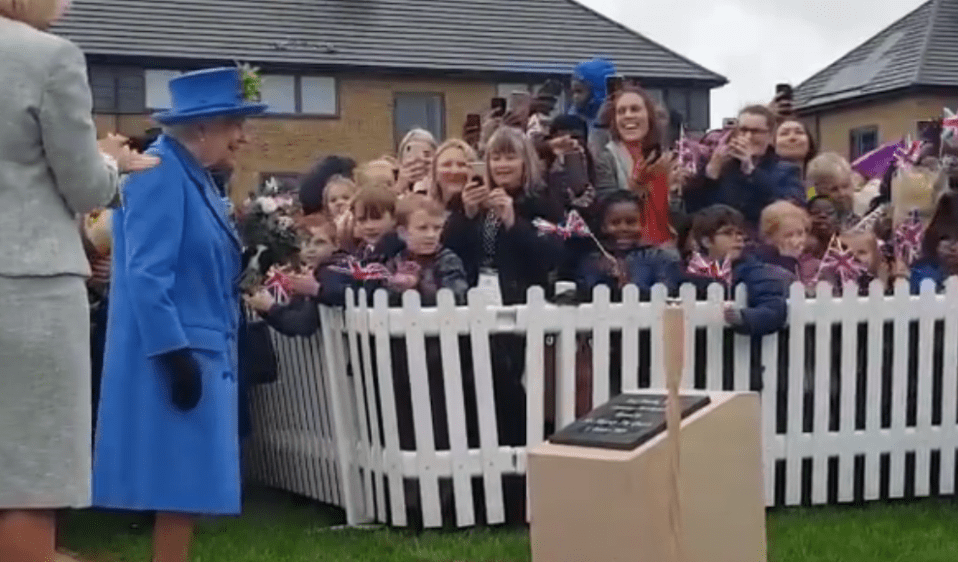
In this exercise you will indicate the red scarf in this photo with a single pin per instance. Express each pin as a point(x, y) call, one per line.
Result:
point(654, 182)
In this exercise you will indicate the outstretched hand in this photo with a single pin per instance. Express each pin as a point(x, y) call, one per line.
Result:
point(127, 160)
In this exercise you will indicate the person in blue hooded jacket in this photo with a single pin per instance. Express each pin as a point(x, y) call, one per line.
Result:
point(168, 435)
point(588, 96)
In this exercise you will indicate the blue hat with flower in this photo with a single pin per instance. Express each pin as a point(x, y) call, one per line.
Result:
point(215, 92)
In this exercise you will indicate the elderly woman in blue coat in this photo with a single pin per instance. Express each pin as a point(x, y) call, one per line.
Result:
point(167, 434)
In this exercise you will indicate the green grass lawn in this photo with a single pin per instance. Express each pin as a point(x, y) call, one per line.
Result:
point(277, 528)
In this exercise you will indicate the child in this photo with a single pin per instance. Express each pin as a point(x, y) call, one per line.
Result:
point(784, 228)
point(825, 225)
point(374, 222)
point(299, 316)
point(635, 263)
point(425, 265)
point(378, 173)
point(863, 244)
point(939, 246)
point(719, 232)
point(338, 196)
point(831, 177)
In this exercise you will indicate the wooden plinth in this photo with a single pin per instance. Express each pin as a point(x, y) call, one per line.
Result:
point(603, 505)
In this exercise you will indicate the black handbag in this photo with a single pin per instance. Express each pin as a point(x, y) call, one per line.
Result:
point(256, 355)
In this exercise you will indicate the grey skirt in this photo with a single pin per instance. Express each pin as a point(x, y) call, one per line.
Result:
point(45, 418)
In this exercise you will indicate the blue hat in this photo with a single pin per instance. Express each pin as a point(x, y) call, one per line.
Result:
point(215, 92)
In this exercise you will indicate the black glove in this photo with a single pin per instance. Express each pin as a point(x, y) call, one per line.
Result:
point(186, 380)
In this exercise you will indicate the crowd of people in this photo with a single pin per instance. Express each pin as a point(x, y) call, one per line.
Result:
point(599, 195)
point(498, 208)
point(611, 191)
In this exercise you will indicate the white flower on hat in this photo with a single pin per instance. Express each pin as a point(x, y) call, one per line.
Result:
point(267, 204)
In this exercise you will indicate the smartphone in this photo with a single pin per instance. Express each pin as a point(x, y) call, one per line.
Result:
point(519, 98)
point(478, 171)
point(473, 121)
point(613, 84)
point(783, 92)
point(415, 151)
point(575, 172)
point(652, 154)
point(498, 107)
point(729, 123)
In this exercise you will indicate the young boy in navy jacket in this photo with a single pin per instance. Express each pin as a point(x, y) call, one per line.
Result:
point(718, 233)
point(717, 241)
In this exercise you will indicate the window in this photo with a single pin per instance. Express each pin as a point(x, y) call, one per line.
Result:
point(505, 90)
point(677, 100)
point(279, 92)
point(418, 110)
point(157, 88)
point(657, 94)
point(306, 95)
point(861, 141)
point(318, 95)
point(117, 89)
point(698, 119)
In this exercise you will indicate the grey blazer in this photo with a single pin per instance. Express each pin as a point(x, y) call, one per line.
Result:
point(50, 167)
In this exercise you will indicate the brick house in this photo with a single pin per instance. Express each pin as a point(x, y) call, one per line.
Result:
point(352, 76)
point(887, 87)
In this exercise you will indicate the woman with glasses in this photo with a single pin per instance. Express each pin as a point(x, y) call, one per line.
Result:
point(745, 173)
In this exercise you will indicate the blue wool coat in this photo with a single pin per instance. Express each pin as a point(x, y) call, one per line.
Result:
point(176, 264)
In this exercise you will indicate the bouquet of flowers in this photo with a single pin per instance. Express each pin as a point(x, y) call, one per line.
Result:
point(266, 224)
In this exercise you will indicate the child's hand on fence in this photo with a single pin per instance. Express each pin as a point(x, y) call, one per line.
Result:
point(732, 314)
point(304, 285)
point(261, 301)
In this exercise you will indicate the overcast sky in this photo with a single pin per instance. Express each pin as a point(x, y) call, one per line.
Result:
point(756, 43)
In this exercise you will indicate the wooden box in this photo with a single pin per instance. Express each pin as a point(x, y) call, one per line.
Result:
point(591, 504)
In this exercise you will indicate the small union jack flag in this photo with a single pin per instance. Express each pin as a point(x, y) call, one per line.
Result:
point(705, 267)
point(842, 261)
point(361, 272)
point(949, 128)
point(908, 237)
point(278, 286)
point(574, 226)
point(908, 152)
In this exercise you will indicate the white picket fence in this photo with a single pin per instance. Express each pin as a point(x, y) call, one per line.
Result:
point(863, 405)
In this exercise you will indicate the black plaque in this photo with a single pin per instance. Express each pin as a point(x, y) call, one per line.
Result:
point(625, 422)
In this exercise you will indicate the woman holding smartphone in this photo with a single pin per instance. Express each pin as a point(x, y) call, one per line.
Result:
point(633, 160)
point(745, 173)
point(416, 152)
point(453, 167)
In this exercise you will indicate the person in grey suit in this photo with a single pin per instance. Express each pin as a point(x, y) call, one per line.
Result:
point(51, 170)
